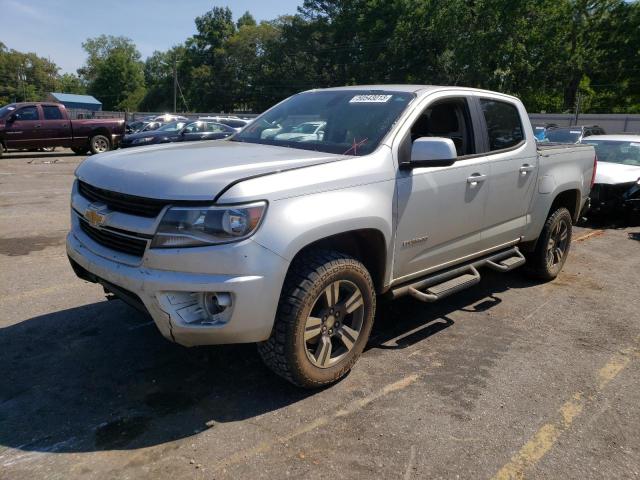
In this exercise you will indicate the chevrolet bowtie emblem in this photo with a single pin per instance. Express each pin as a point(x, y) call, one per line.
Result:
point(94, 217)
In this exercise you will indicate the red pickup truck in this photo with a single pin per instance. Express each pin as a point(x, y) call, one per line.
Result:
point(33, 125)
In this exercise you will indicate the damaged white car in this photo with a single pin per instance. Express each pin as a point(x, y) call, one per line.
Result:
point(617, 184)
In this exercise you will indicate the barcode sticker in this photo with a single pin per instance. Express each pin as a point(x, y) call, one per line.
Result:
point(371, 99)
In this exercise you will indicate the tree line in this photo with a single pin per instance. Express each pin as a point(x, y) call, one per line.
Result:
point(550, 53)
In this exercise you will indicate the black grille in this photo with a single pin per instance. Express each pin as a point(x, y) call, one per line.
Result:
point(602, 192)
point(121, 202)
point(115, 241)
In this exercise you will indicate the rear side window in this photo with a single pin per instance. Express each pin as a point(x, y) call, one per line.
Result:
point(52, 113)
point(503, 124)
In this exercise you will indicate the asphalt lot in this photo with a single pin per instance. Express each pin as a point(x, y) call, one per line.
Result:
point(509, 379)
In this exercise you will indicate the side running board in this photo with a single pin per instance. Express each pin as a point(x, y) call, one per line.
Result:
point(448, 287)
point(440, 285)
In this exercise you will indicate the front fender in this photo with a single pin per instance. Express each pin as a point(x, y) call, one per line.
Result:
point(294, 223)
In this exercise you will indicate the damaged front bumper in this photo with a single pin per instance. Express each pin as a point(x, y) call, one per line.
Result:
point(617, 199)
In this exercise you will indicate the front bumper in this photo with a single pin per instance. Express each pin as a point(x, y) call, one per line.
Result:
point(614, 199)
point(250, 273)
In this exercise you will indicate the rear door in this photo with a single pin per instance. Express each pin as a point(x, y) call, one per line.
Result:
point(25, 131)
point(512, 158)
point(440, 210)
point(56, 129)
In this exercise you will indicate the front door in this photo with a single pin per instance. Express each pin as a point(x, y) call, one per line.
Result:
point(25, 129)
point(440, 210)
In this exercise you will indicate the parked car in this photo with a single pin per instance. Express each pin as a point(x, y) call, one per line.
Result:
point(540, 131)
point(572, 134)
point(616, 190)
point(234, 122)
point(36, 125)
point(178, 132)
point(308, 131)
point(169, 118)
point(134, 127)
point(288, 243)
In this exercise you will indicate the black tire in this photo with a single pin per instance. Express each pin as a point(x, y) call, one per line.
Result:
point(79, 151)
point(99, 144)
point(307, 288)
point(552, 247)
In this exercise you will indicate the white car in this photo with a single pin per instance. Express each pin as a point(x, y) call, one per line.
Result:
point(234, 122)
point(617, 181)
point(305, 132)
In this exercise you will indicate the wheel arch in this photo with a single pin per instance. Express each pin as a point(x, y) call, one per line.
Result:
point(367, 245)
point(569, 198)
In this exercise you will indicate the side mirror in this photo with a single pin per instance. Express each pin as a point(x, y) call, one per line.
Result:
point(432, 152)
point(12, 118)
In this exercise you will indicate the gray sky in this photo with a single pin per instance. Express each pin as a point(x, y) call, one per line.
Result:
point(57, 28)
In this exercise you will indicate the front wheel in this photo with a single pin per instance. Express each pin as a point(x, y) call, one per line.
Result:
point(99, 144)
point(552, 248)
point(323, 321)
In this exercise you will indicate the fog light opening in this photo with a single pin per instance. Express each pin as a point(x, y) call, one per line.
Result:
point(216, 303)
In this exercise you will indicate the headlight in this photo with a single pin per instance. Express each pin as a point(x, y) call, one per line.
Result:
point(198, 226)
point(142, 140)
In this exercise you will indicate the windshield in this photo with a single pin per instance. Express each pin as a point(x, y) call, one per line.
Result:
point(626, 153)
point(172, 127)
point(563, 135)
point(4, 111)
point(349, 122)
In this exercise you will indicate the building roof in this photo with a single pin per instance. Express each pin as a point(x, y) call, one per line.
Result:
point(72, 97)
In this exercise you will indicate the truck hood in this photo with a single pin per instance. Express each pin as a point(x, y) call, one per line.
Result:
point(612, 173)
point(194, 171)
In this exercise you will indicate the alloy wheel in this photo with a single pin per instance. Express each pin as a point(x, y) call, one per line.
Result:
point(334, 324)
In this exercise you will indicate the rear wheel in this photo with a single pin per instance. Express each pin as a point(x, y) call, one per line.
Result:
point(552, 248)
point(323, 321)
point(99, 144)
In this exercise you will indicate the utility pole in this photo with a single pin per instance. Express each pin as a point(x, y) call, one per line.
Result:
point(175, 84)
point(578, 101)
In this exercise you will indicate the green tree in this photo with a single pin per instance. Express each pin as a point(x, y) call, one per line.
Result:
point(114, 72)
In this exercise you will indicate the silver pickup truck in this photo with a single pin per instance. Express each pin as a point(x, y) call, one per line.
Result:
point(288, 241)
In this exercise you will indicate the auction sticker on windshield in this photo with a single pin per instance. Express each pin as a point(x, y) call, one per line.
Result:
point(371, 99)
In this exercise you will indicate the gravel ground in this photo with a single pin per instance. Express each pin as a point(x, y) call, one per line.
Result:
point(508, 379)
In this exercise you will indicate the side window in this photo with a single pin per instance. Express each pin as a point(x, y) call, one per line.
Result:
point(52, 112)
point(448, 118)
point(27, 113)
point(503, 124)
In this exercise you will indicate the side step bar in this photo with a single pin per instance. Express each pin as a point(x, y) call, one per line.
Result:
point(440, 285)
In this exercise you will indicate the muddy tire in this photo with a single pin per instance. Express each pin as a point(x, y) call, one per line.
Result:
point(99, 144)
point(552, 247)
point(324, 319)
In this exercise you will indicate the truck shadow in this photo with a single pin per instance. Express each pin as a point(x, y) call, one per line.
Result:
point(36, 155)
point(100, 377)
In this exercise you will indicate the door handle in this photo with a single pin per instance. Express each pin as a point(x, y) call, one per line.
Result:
point(37, 126)
point(526, 168)
point(476, 178)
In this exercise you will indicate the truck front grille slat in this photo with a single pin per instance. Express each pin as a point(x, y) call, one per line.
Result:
point(114, 241)
point(121, 202)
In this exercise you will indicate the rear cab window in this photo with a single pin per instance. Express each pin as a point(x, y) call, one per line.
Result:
point(51, 112)
point(504, 126)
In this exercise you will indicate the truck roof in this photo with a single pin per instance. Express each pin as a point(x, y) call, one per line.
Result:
point(410, 88)
point(24, 104)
